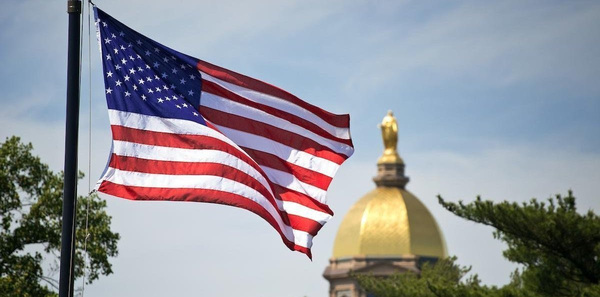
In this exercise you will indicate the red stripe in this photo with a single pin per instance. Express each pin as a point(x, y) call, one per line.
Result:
point(184, 141)
point(186, 168)
point(215, 89)
point(342, 121)
point(282, 136)
point(197, 195)
point(216, 169)
point(303, 224)
point(304, 175)
point(293, 196)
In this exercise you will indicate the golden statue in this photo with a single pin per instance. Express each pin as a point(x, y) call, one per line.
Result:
point(389, 133)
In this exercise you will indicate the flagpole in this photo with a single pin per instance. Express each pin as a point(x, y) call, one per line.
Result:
point(67, 251)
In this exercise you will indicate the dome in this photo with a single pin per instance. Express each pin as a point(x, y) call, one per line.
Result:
point(389, 220)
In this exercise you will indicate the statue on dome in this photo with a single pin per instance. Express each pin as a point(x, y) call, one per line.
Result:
point(389, 133)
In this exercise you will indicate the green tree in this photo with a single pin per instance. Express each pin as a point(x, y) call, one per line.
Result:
point(30, 230)
point(559, 247)
point(442, 278)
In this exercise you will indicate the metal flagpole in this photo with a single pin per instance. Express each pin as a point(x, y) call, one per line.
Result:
point(67, 251)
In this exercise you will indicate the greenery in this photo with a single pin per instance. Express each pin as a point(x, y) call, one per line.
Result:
point(30, 230)
point(558, 248)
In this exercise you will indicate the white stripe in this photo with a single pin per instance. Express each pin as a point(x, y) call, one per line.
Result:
point(139, 179)
point(291, 182)
point(168, 125)
point(302, 238)
point(282, 151)
point(232, 107)
point(162, 153)
point(305, 212)
point(280, 104)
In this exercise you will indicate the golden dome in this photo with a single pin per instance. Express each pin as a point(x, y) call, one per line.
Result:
point(389, 221)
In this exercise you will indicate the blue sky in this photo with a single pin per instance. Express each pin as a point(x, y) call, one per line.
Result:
point(500, 99)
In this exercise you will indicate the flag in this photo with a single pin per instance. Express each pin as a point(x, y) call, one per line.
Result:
point(187, 130)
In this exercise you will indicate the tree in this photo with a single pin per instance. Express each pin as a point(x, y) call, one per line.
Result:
point(442, 278)
point(30, 230)
point(559, 247)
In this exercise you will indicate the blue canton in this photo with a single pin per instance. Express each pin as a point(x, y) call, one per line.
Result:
point(146, 77)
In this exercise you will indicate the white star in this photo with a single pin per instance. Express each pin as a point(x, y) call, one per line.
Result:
point(147, 53)
point(155, 64)
point(148, 78)
point(166, 59)
point(195, 113)
point(174, 70)
point(172, 86)
point(123, 61)
point(165, 87)
point(164, 75)
point(139, 42)
point(158, 89)
point(178, 106)
point(156, 77)
point(156, 49)
point(122, 47)
point(134, 87)
point(182, 81)
point(143, 97)
point(173, 57)
point(131, 58)
point(126, 77)
point(150, 91)
point(118, 83)
point(113, 35)
point(141, 81)
point(104, 24)
point(140, 69)
point(191, 93)
point(109, 91)
point(121, 34)
point(127, 94)
point(147, 67)
point(109, 74)
point(118, 67)
point(132, 71)
point(160, 100)
point(138, 56)
point(184, 105)
point(167, 98)
point(108, 57)
point(116, 51)
point(182, 66)
point(175, 97)
point(192, 76)
point(107, 40)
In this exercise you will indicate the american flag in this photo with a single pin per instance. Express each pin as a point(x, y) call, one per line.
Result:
point(186, 130)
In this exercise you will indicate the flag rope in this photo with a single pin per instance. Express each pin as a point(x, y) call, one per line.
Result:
point(87, 209)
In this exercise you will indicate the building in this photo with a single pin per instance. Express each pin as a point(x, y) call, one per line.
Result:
point(388, 230)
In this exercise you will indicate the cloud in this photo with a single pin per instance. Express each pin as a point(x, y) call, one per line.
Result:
point(496, 44)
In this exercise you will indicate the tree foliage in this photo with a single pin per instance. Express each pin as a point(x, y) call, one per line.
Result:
point(559, 247)
point(30, 230)
point(559, 250)
point(442, 278)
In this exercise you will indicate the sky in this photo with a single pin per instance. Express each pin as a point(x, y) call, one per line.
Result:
point(499, 99)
